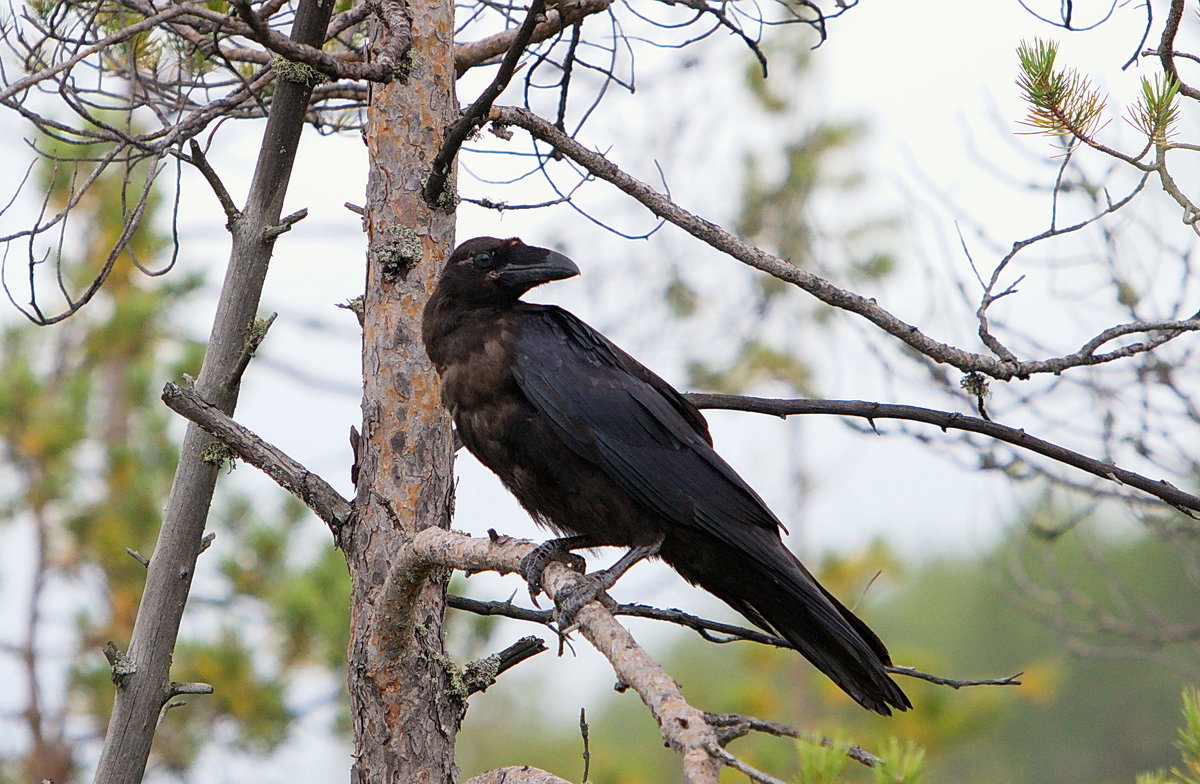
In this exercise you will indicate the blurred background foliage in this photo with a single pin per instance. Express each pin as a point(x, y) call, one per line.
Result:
point(89, 452)
point(1077, 718)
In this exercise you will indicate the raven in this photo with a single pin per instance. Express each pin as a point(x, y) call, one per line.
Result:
point(605, 453)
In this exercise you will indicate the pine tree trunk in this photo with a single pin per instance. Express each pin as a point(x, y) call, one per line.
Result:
point(405, 718)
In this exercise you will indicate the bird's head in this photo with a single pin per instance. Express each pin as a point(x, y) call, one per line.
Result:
point(490, 271)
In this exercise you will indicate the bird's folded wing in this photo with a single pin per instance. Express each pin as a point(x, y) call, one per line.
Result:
point(615, 413)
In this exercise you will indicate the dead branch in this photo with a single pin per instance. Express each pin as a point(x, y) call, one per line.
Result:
point(516, 774)
point(703, 627)
point(949, 420)
point(124, 34)
point(480, 675)
point(476, 113)
point(683, 727)
point(735, 725)
point(557, 19)
point(168, 579)
point(832, 295)
point(1010, 680)
point(381, 70)
point(314, 491)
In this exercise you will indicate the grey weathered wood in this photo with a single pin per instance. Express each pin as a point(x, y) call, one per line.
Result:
point(141, 694)
point(314, 491)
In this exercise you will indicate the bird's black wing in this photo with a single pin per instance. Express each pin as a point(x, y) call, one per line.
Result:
point(612, 411)
point(616, 414)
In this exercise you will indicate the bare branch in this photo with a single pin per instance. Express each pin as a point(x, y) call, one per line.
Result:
point(949, 420)
point(314, 491)
point(912, 672)
point(682, 726)
point(476, 114)
point(175, 689)
point(557, 19)
point(480, 675)
point(124, 34)
point(822, 289)
point(382, 70)
point(753, 773)
point(516, 774)
point(703, 627)
point(198, 159)
point(735, 725)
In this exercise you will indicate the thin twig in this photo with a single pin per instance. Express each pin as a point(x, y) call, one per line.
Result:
point(702, 626)
point(476, 113)
point(735, 725)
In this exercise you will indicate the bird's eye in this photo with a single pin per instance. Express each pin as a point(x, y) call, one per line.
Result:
point(484, 260)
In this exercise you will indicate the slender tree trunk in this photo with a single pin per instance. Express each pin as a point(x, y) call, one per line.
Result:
point(405, 718)
point(142, 693)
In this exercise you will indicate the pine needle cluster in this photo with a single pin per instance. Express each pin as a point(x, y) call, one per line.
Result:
point(1062, 101)
point(1157, 110)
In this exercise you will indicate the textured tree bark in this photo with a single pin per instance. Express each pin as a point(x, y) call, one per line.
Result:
point(145, 686)
point(405, 716)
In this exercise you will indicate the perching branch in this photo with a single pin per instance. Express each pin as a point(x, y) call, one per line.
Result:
point(683, 727)
point(832, 295)
point(949, 420)
point(703, 627)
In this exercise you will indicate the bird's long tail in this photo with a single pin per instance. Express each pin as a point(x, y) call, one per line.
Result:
point(777, 593)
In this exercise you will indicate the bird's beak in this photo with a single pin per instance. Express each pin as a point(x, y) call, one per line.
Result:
point(529, 267)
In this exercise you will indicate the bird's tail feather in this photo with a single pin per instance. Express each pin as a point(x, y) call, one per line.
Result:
point(781, 596)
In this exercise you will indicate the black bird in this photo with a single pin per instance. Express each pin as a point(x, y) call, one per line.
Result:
point(601, 450)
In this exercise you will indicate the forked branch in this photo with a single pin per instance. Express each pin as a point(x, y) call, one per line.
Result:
point(1002, 369)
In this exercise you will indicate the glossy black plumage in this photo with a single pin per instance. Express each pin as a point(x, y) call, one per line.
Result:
point(593, 443)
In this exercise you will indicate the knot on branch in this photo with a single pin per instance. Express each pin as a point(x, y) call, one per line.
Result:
point(120, 664)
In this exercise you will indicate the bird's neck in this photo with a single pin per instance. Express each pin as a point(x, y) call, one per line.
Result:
point(454, 329)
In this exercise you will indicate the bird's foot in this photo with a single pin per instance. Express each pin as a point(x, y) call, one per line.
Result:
point(590, 588)
point(594, 586)
point(533, 565)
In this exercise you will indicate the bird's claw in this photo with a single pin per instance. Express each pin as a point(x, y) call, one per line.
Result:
point(533, 565)
point(594, 586)
point(591, 587)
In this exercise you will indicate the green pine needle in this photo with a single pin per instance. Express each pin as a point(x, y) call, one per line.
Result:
point(1157, 111)
point(1062, 102)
